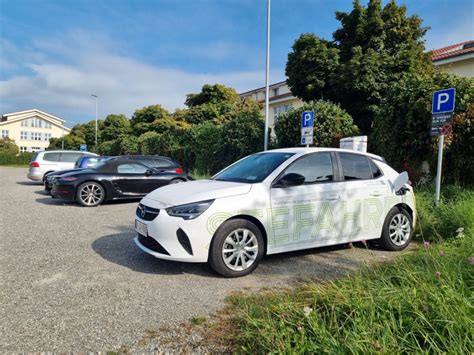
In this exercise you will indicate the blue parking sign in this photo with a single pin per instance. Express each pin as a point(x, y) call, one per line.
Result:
point(307, 119)
point(83, 147)
point(443, 101)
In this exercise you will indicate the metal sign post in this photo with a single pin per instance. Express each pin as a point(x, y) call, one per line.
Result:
point(307, 128)
point(442, 115)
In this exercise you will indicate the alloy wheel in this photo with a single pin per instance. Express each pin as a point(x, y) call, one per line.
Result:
point(91, 194)
point(399, 229)
point(240, 249)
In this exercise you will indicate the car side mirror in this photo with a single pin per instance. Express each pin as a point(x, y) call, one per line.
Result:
point(149, 172)
point(399, 183)
point(291, 179)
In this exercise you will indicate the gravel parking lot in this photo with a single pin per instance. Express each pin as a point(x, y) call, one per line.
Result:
point(73, 280)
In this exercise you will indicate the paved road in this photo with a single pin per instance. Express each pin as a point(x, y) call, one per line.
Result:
point(71, 278)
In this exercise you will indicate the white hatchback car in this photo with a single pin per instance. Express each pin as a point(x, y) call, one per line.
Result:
point(45, 162)
point(277, 201)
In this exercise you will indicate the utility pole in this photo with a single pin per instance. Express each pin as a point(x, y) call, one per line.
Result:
point(267, 79)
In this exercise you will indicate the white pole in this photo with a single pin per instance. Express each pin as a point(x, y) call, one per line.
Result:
point(267, 78)
point(440, 166)
point(62, 137)
point(96, 98)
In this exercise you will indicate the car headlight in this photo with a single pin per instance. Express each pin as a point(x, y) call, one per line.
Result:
point(190, 210)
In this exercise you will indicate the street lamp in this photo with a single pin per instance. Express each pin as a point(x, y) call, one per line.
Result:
point(96, 99)
point(267, 78)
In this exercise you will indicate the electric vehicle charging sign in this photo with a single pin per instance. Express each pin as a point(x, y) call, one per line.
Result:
point(442, 110)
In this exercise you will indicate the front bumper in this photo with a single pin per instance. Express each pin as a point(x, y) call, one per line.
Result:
point(173, 238)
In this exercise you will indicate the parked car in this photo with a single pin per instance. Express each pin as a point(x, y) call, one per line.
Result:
point(53, 160)
point(83, 162)
point(114, 179)
point(278, 201)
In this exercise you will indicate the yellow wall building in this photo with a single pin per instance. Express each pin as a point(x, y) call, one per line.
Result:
point(281, 100)
point(456, 59)
point(32, 129)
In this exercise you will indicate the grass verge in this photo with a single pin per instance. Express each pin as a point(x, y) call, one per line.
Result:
point(420, 302)
point(455, 211)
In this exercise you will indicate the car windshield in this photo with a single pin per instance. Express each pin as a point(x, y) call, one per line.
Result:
point(254, 168)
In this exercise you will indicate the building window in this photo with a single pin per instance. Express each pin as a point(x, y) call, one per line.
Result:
point(35, 136)
point(5, 133)
point(23, 135)
point(23, 149)
point(47, 124)
point(24, 123)
point(35, 149)
point(276, 92)
point(47, 136)
point(281, 109)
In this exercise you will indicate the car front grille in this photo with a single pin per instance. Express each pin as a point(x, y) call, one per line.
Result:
point(146, 213)
point(152, 244)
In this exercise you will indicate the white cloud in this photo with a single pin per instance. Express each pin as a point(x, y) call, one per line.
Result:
point(67, 71)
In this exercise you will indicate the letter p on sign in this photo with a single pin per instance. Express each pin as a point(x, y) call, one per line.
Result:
point(307, 119)
point(443, 101)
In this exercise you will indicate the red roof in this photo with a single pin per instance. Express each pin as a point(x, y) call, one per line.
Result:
point(453, 50)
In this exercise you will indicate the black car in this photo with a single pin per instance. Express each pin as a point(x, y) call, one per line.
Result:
point(83, 162)
point(114, 179)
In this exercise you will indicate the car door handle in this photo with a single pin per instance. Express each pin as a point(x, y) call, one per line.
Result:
point(376, 193)
point(332, 197)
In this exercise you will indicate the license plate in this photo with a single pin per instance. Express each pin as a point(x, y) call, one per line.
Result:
point(141, 228)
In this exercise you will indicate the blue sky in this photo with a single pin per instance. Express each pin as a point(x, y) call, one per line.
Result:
point(54, 54)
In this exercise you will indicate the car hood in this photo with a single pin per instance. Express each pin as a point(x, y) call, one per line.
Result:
point(198, 190)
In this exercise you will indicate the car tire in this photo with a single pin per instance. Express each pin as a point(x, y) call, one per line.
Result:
point(237, 248)
point(397, 230)
point(175, 181)
point(90, 194)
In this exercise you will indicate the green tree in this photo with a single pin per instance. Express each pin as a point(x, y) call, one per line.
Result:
point(142, 119)
point(241, 136)
point(401, 132)
point(8, 146)
point(124, 145)
point(71, 142)
point(86, 133)
point(212, 94)
point(214, 103)
point(331, 124)
point(372, 50)
point(114, 126)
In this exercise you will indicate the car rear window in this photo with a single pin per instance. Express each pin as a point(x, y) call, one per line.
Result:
point(70, 157)
point(376, 172)
point(162, 163)
point(355, 166)
point(51, 156)
point(33, 157)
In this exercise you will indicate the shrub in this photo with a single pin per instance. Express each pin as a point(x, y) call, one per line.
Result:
point(401, 132)
point(331, 124)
